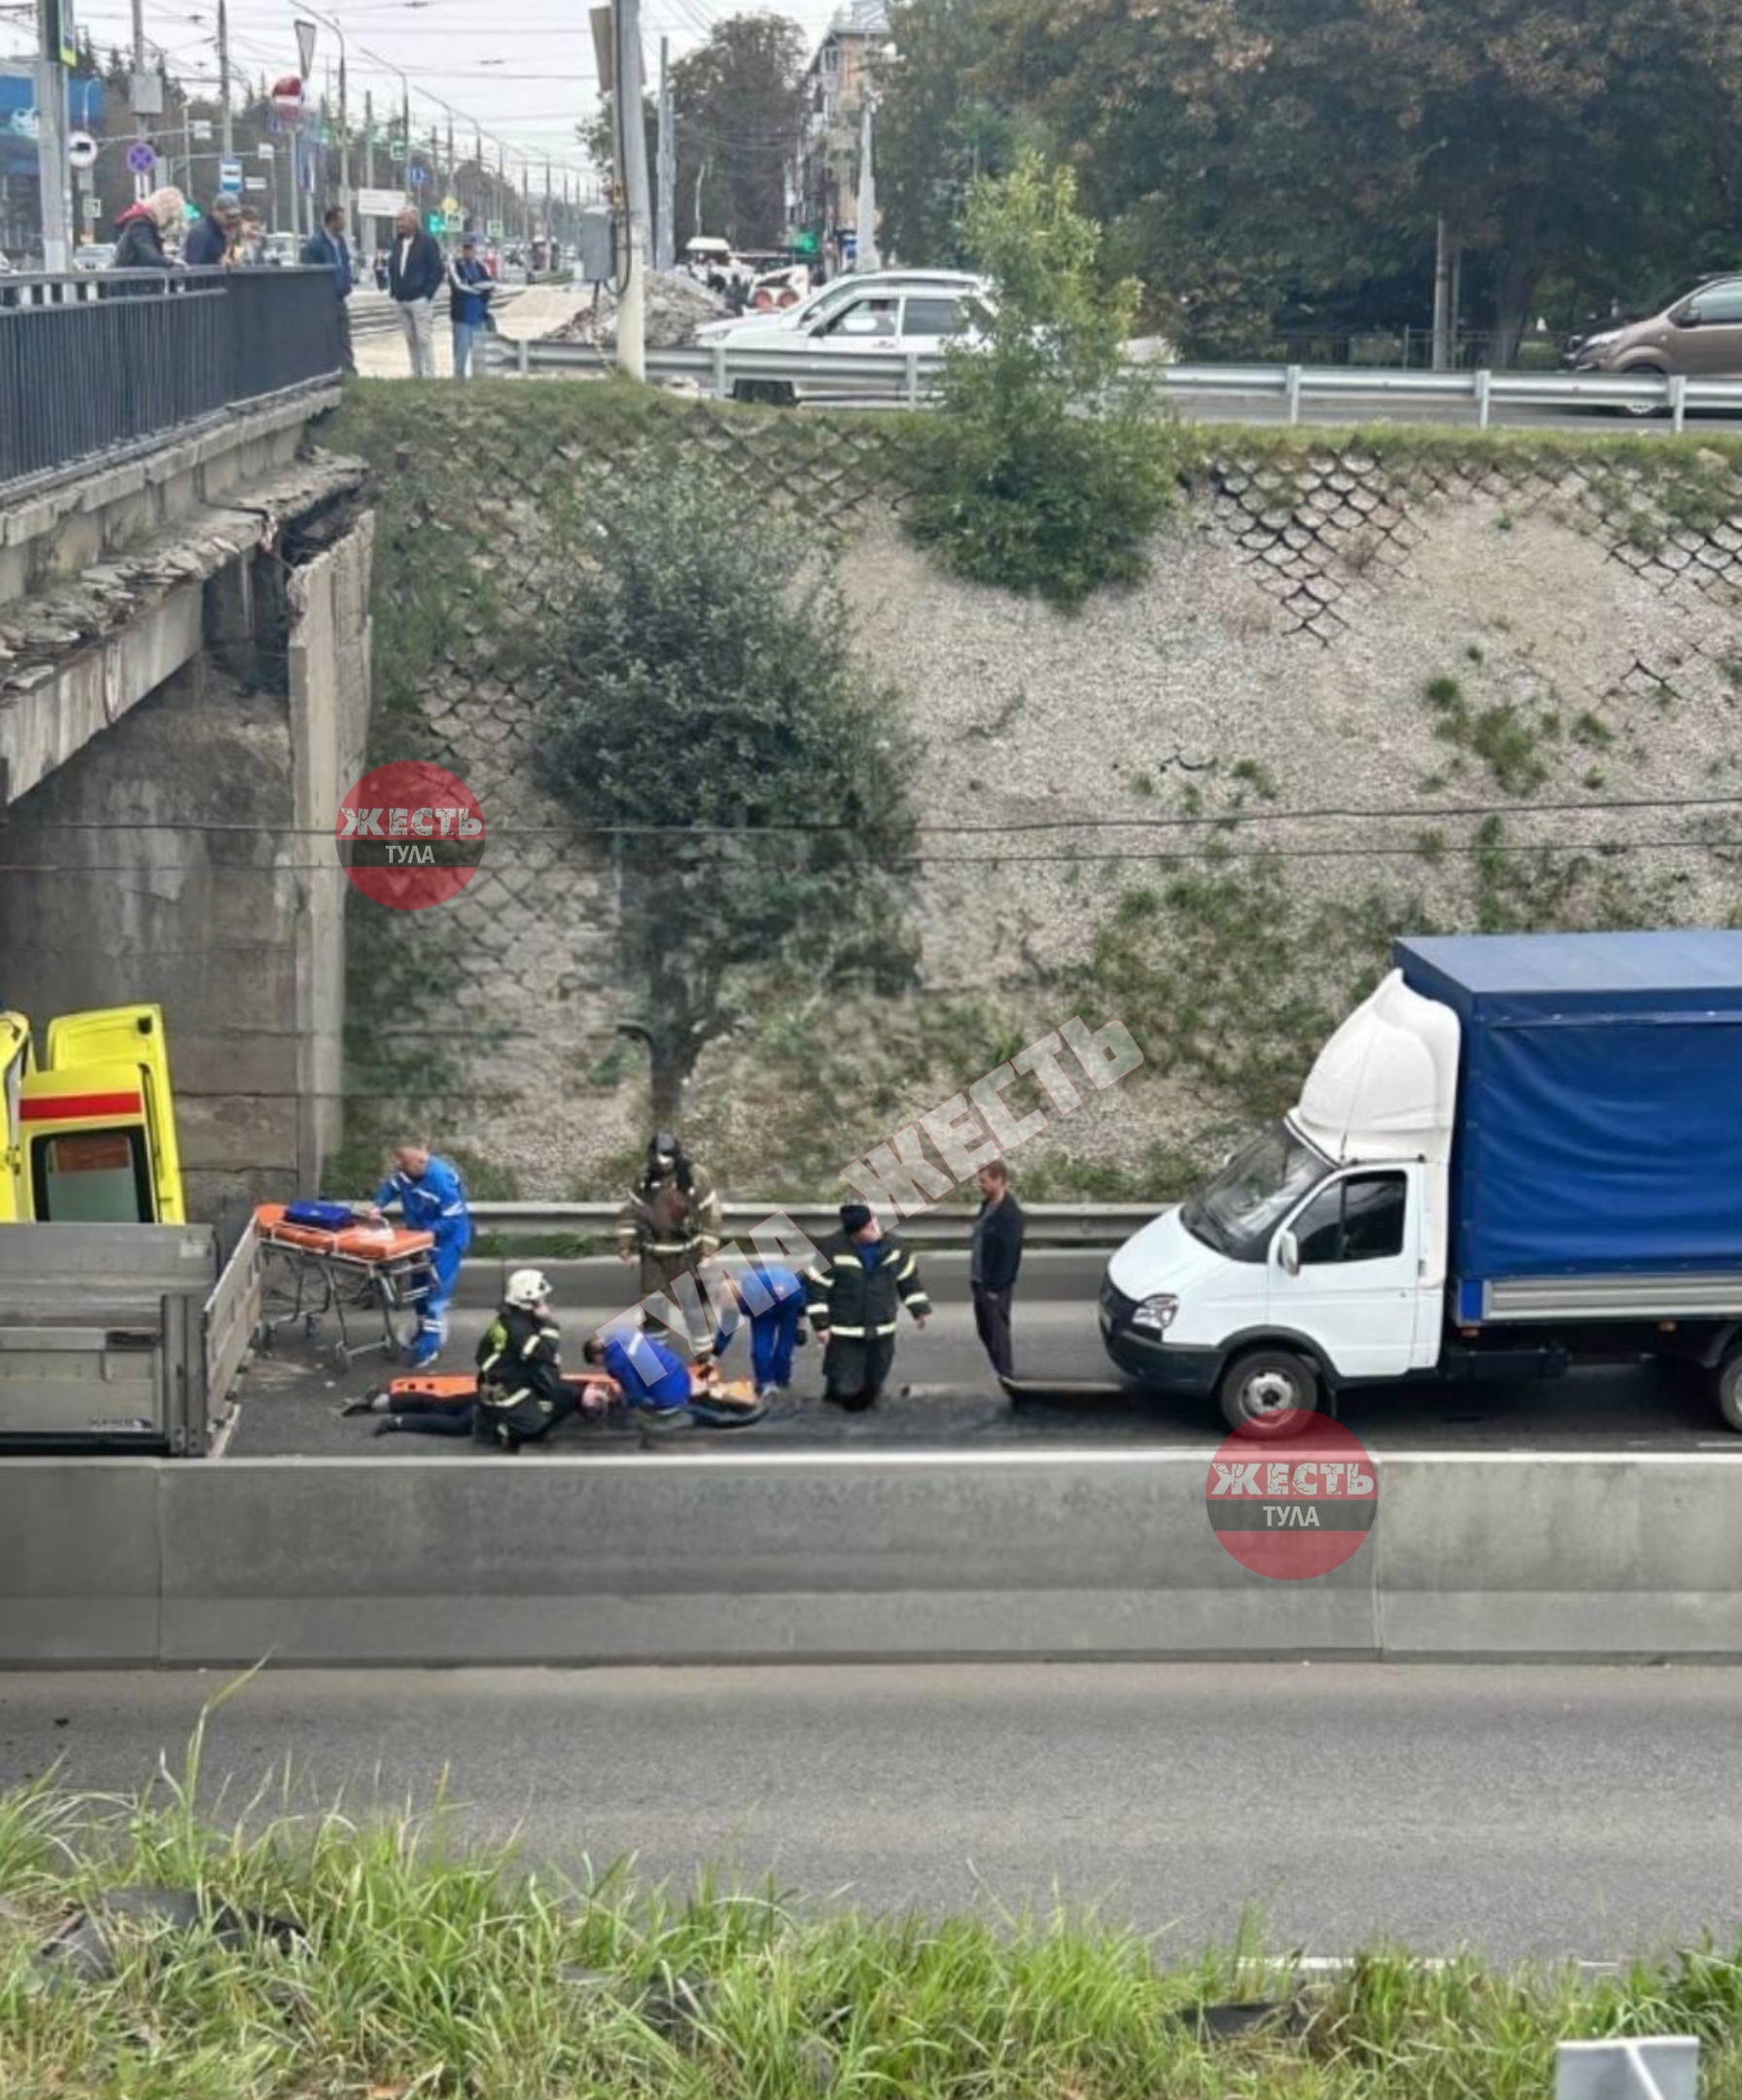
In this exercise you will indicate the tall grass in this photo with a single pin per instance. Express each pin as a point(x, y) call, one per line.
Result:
point(425, 1967)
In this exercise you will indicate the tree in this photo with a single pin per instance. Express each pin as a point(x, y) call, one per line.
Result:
point(708, 690)
point(1043, 469)
point(937, 129)
point(736, 100)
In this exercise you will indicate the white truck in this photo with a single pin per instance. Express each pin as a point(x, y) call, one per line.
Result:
point(1522, 1154)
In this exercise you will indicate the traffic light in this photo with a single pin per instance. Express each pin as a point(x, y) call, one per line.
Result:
point(435, 223)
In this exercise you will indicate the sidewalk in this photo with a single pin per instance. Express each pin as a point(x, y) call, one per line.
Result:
point(536, 312)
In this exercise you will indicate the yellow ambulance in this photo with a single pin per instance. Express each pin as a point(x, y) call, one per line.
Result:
point(89, 1130)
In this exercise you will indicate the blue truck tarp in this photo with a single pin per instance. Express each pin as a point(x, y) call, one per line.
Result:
point(1599, 1101)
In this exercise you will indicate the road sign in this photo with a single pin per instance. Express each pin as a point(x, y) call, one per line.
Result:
point(396, 151)
point(495, 229)
point(452, 223)
point(379, 203)
point(81, 148)
point(450, 205)
point(230, 173)
point(142, 156)
point(306, 47)
point(265, 150)
point(200, 130)
point(287, 96)
point(254, 182)
point(417, 175)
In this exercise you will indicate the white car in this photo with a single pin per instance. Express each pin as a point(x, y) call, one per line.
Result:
point(828, 298)
point(866, 316)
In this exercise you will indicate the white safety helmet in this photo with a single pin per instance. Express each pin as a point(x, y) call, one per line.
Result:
point(526, 1290)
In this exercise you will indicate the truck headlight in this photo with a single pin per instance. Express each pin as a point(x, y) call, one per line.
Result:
point(1156, 1313)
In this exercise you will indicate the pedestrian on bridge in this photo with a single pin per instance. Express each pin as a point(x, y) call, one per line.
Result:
point(469, 286)
point(328, 249)
point(414, 276)
point(211, 238)
point(430, 1197)
point(853, 1292)
point(141, 230)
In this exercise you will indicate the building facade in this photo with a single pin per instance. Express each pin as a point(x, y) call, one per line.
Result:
point(842, 70)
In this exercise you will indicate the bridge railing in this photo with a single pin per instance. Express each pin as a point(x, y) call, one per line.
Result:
point(96, 363)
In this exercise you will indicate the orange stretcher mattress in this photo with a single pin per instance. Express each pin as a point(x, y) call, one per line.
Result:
point(359, 1242)
point(459, 1386)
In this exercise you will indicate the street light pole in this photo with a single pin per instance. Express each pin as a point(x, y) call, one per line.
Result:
point(52, 168)
point(226, 136)
point(345, 195)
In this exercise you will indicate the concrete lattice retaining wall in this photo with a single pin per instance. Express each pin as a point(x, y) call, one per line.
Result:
point(734, 1557)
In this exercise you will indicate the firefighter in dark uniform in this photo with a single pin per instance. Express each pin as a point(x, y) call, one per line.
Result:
point(521, 1394)
point(671, 1222)
point(853, 1293)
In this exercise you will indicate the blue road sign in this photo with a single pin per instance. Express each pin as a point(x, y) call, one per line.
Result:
point(141, 158)
point(417, 175)
point(229, 174)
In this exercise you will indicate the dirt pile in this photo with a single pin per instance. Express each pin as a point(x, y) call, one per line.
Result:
point(675, 307)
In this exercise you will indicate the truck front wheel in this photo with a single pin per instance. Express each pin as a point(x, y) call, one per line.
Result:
point(1729, 1393)
point(1270, 1392)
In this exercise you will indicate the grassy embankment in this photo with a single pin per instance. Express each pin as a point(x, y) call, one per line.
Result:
point(425, 1968)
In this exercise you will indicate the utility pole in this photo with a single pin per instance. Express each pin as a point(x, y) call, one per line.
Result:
point(226, 134)
point(865, 246)
point(664, 232)
point(139, 181)
point(632, 179)
point(1442, 297)
point(52, 169)
point(368, 138)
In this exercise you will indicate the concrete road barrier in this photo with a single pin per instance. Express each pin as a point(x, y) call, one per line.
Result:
point(740, 1555)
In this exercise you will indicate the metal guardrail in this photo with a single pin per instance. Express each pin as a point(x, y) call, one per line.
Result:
point(97, 361)
point(1062, 1225)
point(911, 378)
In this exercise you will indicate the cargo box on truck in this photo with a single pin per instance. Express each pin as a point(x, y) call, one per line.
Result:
point(1523, 1152)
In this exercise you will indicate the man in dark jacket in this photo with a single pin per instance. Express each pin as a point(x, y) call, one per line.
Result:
point(854, 1291)
point(414, 276)
point(209, 238)
point(329, 250)
point(140, 229)
point(996, 1256)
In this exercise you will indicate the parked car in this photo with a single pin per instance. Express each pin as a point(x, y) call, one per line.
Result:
point(854, 317)
point(1698, 334)
point(280, 251)
point(830, 297)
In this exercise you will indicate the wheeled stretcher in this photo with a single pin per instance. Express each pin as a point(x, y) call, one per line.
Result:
point(379, 1272)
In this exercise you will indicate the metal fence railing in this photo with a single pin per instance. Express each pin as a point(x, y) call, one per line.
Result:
point(909, 379)
point(93, 364)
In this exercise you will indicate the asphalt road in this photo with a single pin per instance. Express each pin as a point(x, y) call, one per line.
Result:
point(1579, 1812)
point(951, 1401)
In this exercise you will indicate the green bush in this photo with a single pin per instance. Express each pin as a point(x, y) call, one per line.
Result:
point(1042, 472)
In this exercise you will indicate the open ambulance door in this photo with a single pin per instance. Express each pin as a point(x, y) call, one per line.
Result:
point(14, 1063)
point(98, 1119)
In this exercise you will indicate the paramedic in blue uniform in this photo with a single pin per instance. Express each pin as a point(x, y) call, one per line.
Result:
point(773, 1299)
point(429, 1195)
point(656, 1384)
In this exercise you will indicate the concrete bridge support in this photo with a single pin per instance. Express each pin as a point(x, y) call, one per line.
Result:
point(177, 723)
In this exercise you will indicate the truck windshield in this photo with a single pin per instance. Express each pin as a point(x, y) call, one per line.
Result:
point(1239, 1210)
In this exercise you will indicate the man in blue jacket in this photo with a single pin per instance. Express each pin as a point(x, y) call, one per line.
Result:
point(469, 286)
point(208, 242)
point(658, 1384)
point(430, 1198)
point(773, 1299)
point(328, 249)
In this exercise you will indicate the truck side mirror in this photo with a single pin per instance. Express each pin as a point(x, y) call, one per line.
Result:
point(1288, 1252)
